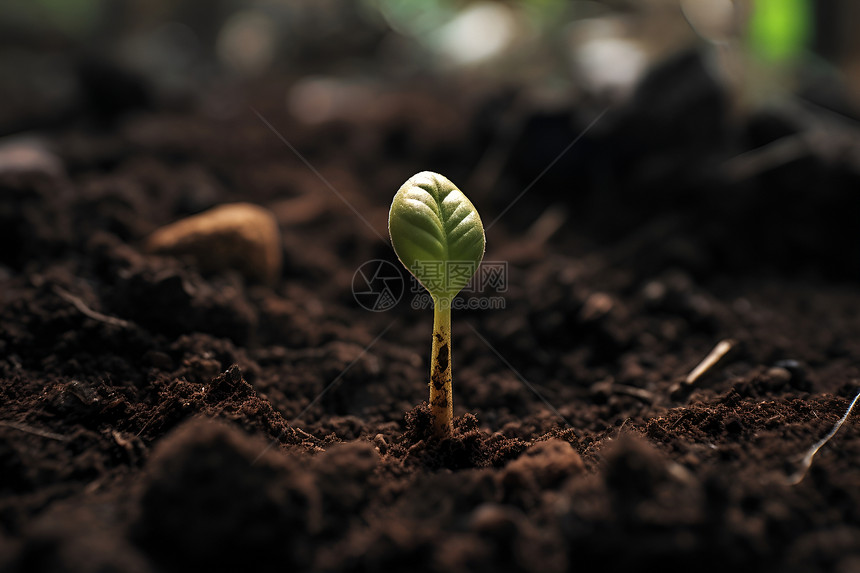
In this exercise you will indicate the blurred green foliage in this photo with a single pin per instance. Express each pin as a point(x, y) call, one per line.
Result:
point(75, 18)
point(780, 30)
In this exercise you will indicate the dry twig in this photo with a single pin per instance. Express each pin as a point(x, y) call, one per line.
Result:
point(714, 356)
point(35, 431)
point(806, 462)
point(88, 312)
point(720, 350)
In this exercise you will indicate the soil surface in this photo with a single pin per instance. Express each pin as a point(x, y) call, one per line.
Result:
point(158, 416)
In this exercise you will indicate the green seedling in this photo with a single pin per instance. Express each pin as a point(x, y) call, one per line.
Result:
point(437, 234)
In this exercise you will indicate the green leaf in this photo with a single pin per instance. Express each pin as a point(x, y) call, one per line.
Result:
point(437, 233)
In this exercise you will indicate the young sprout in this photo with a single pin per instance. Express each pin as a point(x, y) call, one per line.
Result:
point(437, 234)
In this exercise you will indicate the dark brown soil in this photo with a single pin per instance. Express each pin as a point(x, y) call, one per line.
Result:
point(158, 419)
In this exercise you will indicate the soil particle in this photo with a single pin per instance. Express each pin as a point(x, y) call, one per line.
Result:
point(443, 358)
point(548, 463)
point(78, 540)
point(467, 447)
point(634, 470)
point(187, 522)
point(343, 474)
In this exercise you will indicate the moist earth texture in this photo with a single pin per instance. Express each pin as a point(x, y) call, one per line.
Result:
point(174, 402)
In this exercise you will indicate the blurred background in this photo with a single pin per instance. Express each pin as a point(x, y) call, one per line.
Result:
point(742, 112)
point(56, 54)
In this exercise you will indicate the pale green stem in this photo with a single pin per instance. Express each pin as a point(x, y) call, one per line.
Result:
point(441, 403)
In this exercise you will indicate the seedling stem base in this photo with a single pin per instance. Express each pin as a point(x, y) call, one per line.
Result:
point(441, 403)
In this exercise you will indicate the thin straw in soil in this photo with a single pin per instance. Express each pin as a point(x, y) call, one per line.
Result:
point(806, 463)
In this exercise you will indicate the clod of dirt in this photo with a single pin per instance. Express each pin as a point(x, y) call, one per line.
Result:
point(634, 470)
point(74, 400)
point(238, 236)
point(545, 464)
point(77, 540)
point(211, 504)
point(344, 473)
point(504, 534)
point(466, 447)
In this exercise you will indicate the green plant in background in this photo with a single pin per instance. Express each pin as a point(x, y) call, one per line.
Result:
point(437, 234)
point(780, 30)
point(75, 18)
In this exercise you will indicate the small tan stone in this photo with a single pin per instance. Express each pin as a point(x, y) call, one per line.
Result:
point(238, 236)
point(28, 157)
